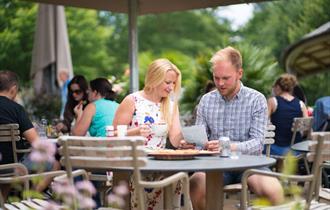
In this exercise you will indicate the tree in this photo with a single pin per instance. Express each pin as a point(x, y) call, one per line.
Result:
point(282, 23)
point(17, 26)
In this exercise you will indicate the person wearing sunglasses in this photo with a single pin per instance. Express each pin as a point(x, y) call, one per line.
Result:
point(77, 96)
point(99, 112)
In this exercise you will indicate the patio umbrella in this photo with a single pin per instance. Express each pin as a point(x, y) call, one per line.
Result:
point(310, 54)
point(140, 7)
point(51, 51)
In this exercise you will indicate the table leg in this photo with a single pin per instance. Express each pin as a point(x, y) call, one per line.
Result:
point(214, 190)
point(122, 176)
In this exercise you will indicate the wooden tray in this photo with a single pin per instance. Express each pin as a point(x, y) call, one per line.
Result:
point(174, 154)
point(206, 153)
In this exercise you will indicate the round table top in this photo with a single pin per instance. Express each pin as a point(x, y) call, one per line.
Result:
point(207, 163)
point(301, 146)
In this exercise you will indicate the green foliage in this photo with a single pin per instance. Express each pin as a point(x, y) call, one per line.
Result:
point(88, 43)
point(17, 26)
point(260, 67)
point(278, 24)
point(198, 77)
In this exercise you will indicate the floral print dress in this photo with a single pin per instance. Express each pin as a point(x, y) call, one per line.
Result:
point(149, 112)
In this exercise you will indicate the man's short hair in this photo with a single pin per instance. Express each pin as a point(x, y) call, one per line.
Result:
point(8, 79)
point(228, 54)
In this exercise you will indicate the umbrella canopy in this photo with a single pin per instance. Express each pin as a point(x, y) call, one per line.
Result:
point(51, 50)
point(147, 6)
point(140, 7)
point(309, 55)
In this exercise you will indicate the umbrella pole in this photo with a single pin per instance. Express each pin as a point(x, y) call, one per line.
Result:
point(133, 45)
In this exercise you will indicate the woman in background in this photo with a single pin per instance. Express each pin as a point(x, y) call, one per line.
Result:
point(99, 112)
point(77, 96)
point(282, 109)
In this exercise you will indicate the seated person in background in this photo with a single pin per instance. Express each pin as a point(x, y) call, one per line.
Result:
point(156, 103)
point(99, 113)
point(322, 114)
point(282, 109)
point(239, 113)
point(12, 112)
point(77, 95)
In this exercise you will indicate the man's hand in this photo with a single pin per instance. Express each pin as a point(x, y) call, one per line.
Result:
point(212, 145)
point(185, 145)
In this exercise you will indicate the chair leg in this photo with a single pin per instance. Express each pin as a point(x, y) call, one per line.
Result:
point(306, 165)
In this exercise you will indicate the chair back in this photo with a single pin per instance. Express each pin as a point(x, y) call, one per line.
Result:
point(302, 125)
point(316, 155)
point(10, 133)
point(93, 153)
point(269, 138)
point(325, 151)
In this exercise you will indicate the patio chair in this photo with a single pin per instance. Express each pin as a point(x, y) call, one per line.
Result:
point(11, 133)
point(106, 153)
point(324, 193)
point(317, 156)
point(24, 178)
point(303, 125)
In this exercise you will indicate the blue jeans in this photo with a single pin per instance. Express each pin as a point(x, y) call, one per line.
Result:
point(236, 176)
point(282, 151)
point(33, 167)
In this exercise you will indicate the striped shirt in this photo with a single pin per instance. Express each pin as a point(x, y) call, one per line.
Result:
point(243, 119)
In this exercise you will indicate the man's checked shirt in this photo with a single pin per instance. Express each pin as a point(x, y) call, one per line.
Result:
point(243, 119)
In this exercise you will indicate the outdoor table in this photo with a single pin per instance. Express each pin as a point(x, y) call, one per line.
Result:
point(213, 166)
point(301, 146)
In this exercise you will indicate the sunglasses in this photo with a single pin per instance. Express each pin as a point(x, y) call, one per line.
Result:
point(76, 91)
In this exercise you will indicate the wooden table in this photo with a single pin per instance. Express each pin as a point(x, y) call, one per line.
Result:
point(213, 166)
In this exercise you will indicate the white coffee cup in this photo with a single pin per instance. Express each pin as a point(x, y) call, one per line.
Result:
point(121, 130)
point(159, 129)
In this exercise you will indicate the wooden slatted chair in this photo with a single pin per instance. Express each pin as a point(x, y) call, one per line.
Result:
point(317, 156)
point(101, 153)
point(324, 193)
point(24, 178)
point(302, 125)
point(11, 133)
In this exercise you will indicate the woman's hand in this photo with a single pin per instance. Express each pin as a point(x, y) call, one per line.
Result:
point(78, 110)
point(212, 145)
point(185, 145)
point(59, 126)
point(145, 130)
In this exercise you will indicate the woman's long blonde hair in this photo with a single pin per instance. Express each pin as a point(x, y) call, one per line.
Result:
point(155, 76)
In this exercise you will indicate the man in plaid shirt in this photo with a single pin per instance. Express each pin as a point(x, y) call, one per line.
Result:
point(239, 113)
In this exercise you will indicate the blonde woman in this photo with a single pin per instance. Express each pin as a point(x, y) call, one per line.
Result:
point(155, 104)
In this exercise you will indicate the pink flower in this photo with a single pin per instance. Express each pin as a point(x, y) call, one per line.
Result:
point(52, 206)
point(86, 186)
point(121, 189)
point(64, 188)
point(85, 202)
point(115, 200)
point(43, 151)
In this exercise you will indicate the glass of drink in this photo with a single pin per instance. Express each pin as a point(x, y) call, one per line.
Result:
point(224, 143)
point(121, 130)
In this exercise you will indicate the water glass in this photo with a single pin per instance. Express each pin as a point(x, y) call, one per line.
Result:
point(121, 130)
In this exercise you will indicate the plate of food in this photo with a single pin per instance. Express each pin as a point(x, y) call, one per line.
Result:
point(170, 154)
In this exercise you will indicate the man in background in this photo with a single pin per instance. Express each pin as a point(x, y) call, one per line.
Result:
point(64, 80)
point(12, 112)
